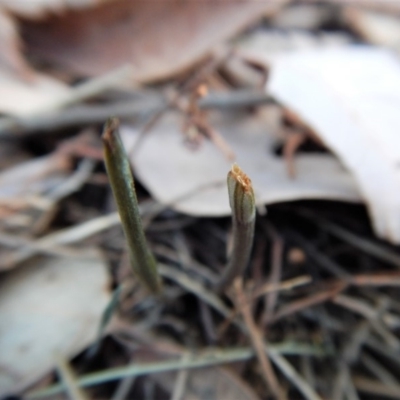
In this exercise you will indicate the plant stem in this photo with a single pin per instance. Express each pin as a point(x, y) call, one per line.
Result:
point(123, 187)
point(206, 359)
point(242, 202)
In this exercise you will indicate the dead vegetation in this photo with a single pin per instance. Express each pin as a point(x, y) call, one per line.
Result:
point(303, 96)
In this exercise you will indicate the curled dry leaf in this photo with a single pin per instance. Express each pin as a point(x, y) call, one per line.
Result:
point(27, 97)
point(194, 182)
point(158, 38)
point(376, 28)
point(49, 305)
point(11, 58)
point(350, 97)
point(35, 9)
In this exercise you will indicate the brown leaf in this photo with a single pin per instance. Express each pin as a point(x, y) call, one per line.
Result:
point(36, 9)
point(377, 28)
point(158, 38)
point(10, 48)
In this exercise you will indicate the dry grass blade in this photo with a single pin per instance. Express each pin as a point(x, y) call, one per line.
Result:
point(376, 388)
point(276, 264)
point(204, 359)
point(298, 381)
point(361, 307)
point(69, 380)
point(368, 246)
point(377, 369)
point(388, 278)
point(196, 288)
point(313, 299)
point(181, 380)
point(214, 357)
point(121, 179)
point(257, 341)
point(282, 286)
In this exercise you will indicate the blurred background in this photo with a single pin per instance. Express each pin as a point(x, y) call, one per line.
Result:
point(303, 95)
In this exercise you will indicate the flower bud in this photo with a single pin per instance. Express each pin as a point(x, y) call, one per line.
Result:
point(241, 195)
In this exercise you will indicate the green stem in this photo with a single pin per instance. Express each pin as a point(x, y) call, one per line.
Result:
point(242, 202)
point(123, 187)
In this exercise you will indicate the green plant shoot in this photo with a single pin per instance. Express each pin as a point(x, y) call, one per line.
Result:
point(242, 202)
point(123, 187)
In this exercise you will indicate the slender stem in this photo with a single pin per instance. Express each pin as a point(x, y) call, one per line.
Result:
point(241, 199)
point(69, 380)
point(208, 358)
point(121, 180)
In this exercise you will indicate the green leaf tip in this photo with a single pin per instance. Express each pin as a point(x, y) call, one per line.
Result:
point(123, 187)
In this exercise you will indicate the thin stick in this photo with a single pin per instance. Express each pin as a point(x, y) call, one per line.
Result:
point(309, 301)
point(181, 380)
point(215, 357)
point(257, 340)
point(275, 276)
point(291, 374)
point(69, 380)
point(376, 388)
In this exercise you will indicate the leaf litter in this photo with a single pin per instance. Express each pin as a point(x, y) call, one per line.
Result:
point(320, 301)
point(338, 93)
point(193, 181)
point(46, 307)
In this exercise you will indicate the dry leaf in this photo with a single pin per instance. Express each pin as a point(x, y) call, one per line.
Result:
point(377, 28)
point(268, 44)
point(33, 177)
point(378, 5)
point(11, 58)
point(215, 383)
point(172, 172)
point(35, 9)
point(49, 305)
point(24, 98)
point(159, 39)
point(10, 43)
point(351, 98)
point(302, 16)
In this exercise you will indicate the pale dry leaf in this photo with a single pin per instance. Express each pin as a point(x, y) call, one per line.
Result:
point(350, 97)
point(34, 177)
point(214, 383)
point(25, 191)
point(302, 16)
point(159, 39)
point(172, 172)
point(377, 5)
point(48, 306)
point(376, 28)
point(268, 44)
point(36, 9)
point(23, 98)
